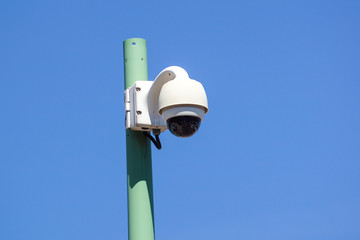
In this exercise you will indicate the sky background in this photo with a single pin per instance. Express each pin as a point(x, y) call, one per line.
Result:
point(276, 157)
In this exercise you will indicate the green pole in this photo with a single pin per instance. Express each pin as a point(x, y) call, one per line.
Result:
point(138, 151)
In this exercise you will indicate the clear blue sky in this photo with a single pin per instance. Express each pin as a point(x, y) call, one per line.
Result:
point(277, 156)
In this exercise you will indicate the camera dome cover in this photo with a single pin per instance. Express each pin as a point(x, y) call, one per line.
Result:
point(182, 92)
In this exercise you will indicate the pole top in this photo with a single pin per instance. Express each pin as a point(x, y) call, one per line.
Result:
point(134, 41)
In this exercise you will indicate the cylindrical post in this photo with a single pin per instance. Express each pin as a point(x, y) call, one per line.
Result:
point(138, 151)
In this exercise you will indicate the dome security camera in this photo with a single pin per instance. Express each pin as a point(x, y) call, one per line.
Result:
point(173, 101)
point(182, 105)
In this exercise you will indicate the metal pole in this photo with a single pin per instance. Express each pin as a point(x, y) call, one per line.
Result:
point(138, 151)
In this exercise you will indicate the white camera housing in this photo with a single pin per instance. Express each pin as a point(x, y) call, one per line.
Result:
point(150, 104)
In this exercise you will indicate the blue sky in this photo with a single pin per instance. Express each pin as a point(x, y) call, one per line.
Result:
point(276, 157)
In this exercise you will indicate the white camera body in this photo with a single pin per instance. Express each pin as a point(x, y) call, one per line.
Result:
point(150, 104)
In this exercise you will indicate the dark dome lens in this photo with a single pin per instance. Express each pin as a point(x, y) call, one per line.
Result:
point(183, 126)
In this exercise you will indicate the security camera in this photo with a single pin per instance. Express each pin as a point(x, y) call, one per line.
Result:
point(172, 101)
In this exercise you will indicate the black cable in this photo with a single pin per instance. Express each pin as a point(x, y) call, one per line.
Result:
point(156, 142)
